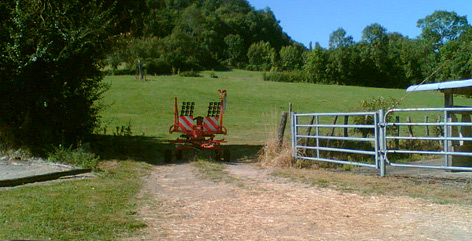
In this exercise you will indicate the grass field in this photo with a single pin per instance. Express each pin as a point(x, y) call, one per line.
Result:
point(253, 108)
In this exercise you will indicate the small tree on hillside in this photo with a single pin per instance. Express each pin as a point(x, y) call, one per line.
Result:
point(291, 58)
point(261, 56)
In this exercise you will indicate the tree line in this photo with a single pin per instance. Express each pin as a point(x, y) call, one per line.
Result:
point(197, 34)
point(442, 52)
point(213, 34)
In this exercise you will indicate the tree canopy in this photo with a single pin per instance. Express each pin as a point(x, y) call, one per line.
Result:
point(51, 69)
point(200, 34)
point(385, 59)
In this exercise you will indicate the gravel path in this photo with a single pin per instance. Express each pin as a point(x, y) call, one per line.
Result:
point(177, 205)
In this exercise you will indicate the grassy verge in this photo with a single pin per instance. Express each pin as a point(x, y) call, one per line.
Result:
point(99, 208)
point(436, 190)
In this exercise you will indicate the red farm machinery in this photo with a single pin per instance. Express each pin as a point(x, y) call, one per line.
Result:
point(198, 133)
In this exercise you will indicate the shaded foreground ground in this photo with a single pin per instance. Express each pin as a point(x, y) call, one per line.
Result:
point(177, 204)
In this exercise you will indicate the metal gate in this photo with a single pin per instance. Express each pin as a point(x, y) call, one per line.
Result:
point(439, 138)
point(319, 137)
point(400, 138)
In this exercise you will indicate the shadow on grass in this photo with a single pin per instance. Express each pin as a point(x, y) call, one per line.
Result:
point(151, 150)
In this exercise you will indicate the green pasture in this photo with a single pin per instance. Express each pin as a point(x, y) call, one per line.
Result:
point(253, 107)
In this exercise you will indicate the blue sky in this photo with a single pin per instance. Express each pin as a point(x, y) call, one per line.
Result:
point(315, 20)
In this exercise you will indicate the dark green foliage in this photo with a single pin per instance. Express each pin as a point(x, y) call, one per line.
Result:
point(291, 57)
point(50, 71)
point(234, 50)
point(373, 104)
point(441, 27)
point(261, 56)
point(78, 157)
point(390, 60)
point(286, 76)
point(316, 65)
point(190, 73)
point(339, 39)
point(211, 34)
point(199, 34)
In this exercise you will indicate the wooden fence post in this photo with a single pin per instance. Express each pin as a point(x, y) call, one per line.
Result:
point(332, 129)
point(439, 130)
point(346, 121)
point(410, 128)
point(140, 70)
point(426, 120)
point(308, 132)
point(281, 131)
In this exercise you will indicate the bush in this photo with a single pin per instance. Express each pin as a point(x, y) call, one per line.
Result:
point(77, 157)
point(51, 72)
point(190, 74)
point(292, 76)
point(373, 104)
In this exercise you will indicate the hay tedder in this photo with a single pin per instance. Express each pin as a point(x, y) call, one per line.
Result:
point(198, 133)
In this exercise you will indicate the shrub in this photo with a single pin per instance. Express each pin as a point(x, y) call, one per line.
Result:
point(213, 75)
point(373, 104)
point(292, 76)
point(77, 157)
point(51, 71)
point(190, 73)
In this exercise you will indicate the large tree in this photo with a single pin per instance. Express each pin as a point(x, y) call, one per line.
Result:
point(442, 26)
point(339, 38)
point(50, 72)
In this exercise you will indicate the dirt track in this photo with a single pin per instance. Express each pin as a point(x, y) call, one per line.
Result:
point(178, 205)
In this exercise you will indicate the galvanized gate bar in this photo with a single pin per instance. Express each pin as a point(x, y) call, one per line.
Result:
point(381, 138)
point(447, 139)
point(337, 149)
point(338, 138)
point(299, 146)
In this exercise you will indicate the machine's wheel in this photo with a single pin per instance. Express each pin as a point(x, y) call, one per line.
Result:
point(167, 156)
point(226, 155)
point(217, 155)
point(178, 155)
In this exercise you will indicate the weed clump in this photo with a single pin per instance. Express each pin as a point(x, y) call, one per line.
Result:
point(273, 155)
point(77, 157)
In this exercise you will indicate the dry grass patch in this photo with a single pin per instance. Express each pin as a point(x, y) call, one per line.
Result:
point(272, 155)
point(216, 172)
point(438, 190)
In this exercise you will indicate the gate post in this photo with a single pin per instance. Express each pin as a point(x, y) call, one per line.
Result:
point(293, 130)
point(381, 142)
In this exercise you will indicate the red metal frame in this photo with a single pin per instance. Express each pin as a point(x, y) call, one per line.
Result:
point(195, 135)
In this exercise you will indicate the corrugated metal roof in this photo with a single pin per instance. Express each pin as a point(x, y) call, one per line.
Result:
point(456, 84)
